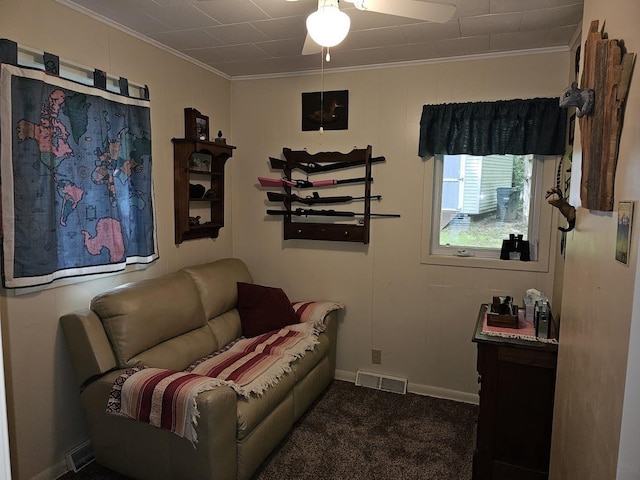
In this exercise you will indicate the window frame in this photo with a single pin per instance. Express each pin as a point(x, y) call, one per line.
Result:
point(544, 220)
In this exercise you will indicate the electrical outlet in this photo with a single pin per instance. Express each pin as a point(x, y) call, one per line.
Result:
point(376, 357)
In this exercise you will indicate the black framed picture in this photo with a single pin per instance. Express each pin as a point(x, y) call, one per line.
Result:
point(196, 125)
point(329, 110)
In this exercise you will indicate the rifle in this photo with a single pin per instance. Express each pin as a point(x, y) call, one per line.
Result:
point(312, 200)
point(327, 213)
point(313, 167)
point(285, 182)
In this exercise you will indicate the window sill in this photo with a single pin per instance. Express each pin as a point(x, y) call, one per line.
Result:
point(490, 263)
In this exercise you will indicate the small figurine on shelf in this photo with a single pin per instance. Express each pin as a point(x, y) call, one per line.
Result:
point(193, 221)
point(220, 139)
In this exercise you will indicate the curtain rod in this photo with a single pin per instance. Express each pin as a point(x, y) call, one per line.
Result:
point(31, 57)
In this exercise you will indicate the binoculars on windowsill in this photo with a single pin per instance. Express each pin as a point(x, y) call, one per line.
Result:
point(515, 248)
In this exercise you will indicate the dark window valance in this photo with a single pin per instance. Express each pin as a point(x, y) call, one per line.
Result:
point(517, 127)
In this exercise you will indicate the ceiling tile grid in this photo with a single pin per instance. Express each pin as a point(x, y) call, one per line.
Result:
point(265, 37)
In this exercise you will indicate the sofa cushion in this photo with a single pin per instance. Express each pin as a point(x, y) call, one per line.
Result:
point(216, 283)
point(263, 309)
point(226, 327)
point(141, 315)
point(179, 352)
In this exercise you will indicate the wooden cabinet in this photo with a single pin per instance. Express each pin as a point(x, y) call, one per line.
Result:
point(198, 174)
point(517, 385)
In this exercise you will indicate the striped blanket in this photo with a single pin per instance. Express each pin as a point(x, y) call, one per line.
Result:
point(167, 398)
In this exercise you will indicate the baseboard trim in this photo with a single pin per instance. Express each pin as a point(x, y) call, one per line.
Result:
point(420, 389)
point(54, 471)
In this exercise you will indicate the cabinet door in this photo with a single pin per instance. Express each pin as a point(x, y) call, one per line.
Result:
point(516, 413)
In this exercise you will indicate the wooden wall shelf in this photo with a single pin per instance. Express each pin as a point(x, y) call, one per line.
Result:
point(210, 158)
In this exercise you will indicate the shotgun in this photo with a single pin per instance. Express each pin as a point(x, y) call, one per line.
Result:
point(285, 182)
point(315, 198)
point(313, 167)
point(327, 213)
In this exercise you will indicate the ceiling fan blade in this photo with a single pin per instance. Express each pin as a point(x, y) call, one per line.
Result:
point(310, 47)
point(427, 11)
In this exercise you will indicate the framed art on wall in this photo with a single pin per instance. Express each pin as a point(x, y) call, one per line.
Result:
point(623, 237)
point(329, 110)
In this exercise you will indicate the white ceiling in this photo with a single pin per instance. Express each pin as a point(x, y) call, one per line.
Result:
point(262, 37)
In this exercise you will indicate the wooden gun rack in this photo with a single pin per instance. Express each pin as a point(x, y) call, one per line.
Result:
point(337, 232)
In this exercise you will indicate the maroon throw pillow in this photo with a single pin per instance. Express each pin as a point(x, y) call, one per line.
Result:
point(263, 309)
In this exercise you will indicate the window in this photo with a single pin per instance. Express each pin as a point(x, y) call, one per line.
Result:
point(479, 201)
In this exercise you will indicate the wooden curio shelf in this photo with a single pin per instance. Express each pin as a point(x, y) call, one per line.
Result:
point(201, 163)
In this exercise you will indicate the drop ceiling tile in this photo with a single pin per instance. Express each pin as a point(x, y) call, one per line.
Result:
point(208, 56)
point(518, 40)
point(180, 17)
point(375, 37)
point(456, 47)
point(365, 20)
point(240, 53)
point(282, 28)
point(238, 33)
point(141, 23)
point(185, 40)
point(127, 14)
point(561, 36)
point(411, 52)
point(488, 24)
point(281, 48)
point(269, 66)
point(552, 18)
point(470, 8)
point(422, 32)
point(231, 11)
point(281, 8)
point(504, 6)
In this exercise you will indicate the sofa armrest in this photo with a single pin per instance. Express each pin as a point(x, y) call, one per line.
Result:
point(89, 347)
point(117, 440)
point(316, 312)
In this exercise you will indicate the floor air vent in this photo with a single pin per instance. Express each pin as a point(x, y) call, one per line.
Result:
point(80, 457)
point(381, 382)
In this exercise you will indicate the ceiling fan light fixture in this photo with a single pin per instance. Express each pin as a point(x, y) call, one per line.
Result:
point(328, 26)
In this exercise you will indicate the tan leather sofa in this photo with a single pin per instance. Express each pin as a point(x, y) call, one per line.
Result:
point(169, 322)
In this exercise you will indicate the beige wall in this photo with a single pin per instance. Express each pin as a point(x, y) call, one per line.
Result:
point(420, 316)
point(44, 411)
point(599, 303)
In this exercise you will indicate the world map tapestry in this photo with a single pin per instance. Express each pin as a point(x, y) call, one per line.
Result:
point(75, 173)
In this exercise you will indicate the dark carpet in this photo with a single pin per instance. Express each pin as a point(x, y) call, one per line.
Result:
point(354, 433)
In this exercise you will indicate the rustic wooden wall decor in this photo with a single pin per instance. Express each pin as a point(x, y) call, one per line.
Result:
point(607, 70)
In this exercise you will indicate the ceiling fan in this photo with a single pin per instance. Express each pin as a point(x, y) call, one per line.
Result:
point(328, 26)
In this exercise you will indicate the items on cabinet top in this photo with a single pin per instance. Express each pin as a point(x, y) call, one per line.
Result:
point(320, 163)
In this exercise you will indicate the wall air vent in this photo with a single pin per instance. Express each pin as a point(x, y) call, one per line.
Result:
point(381, 382)
point(80, 457)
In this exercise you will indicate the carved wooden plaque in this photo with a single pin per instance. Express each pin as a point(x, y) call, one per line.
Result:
point(607, 70)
